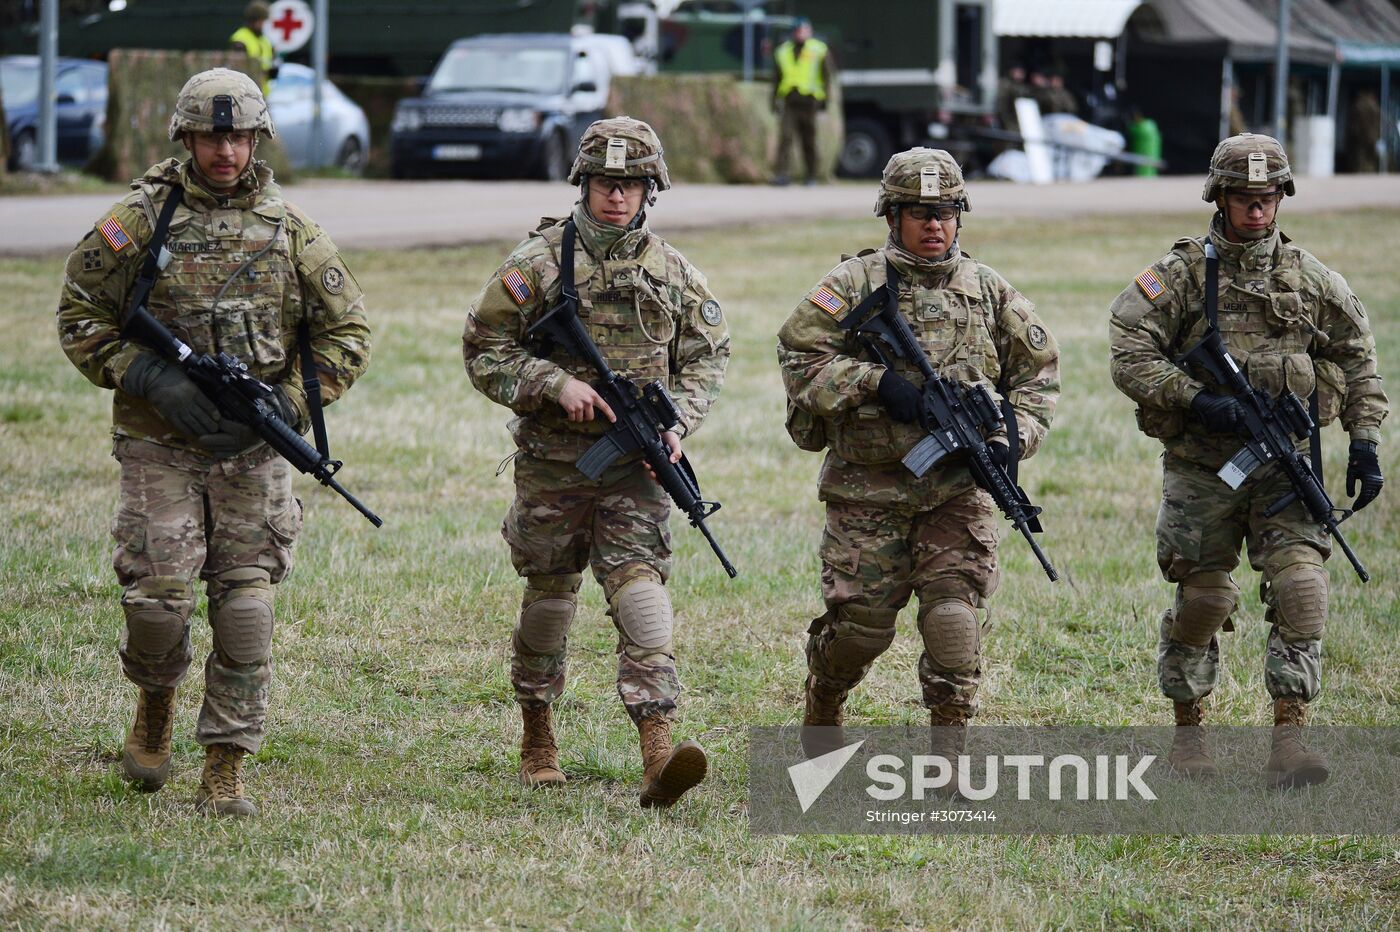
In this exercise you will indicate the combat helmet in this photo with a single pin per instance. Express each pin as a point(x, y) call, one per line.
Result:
point(620, 147)
point(220, 100)
point(921, 176)
point(1248, 162)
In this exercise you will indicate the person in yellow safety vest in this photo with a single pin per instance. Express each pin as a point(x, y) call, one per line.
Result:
point(249, 38)
point(801, 76)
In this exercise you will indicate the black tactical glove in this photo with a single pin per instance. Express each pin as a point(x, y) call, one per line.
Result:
point(999, 452)
point(178, 400)
point(900, 397)
point(1365, 468)
point(1220, 414)
point(233, 438)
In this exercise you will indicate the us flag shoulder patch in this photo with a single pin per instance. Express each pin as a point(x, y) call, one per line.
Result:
point(518, 287)
point(1150, 284)
point(114, 233)
point(829, 301)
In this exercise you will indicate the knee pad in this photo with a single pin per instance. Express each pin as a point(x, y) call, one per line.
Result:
point(860, 634)
point(152, 631)
point(952, 635)
point(1205, 601)
point(643, 612)
point(1300, 599)
point(545, 617)
point(241, 615)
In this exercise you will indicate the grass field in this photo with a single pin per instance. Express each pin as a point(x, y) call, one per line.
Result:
point(387, 785)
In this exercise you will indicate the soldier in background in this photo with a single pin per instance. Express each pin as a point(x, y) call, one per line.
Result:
point(801, 79)
point(249, 39)
point(1364, 133)
point(202, 497)
point(1296, 326)
point(890, 535)
point(652, 316)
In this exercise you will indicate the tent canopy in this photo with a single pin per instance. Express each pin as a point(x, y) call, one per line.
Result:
point(1242, 27)
point(1091, 19)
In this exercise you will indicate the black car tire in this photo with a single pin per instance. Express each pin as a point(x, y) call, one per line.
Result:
point(554, 158)
point(400, 169)
point(865, 148)
point(25, 153)
point(351, 157)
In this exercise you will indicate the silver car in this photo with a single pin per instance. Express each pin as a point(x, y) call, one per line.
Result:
point(344, 128)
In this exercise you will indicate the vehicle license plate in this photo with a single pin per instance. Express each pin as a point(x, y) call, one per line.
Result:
point(457, 153)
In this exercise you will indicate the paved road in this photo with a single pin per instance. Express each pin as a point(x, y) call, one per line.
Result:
point(387, 214)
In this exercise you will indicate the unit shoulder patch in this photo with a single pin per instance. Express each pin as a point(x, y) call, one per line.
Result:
point(333, 279)
point(711, 312)
point(1037, 336)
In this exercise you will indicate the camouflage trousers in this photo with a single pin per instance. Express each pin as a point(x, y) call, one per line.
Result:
point(183, 516)
point(874, 558)
point(1200, 527)
point(561, 522)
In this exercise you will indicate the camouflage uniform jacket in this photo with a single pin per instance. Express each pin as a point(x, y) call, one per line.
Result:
point(300, 276)
point(1292, 322)
point(649, 311)
point(974, 326)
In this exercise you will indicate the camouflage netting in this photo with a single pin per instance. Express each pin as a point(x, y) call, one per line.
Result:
point(714, 128)
point(141, 89)
point(377, 97)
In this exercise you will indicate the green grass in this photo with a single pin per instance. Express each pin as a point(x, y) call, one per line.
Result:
point(387, 784)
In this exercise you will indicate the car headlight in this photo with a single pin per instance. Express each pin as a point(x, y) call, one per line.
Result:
point(406, 120)
point(518, 120)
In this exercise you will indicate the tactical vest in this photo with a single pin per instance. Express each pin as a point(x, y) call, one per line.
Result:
point(953, 323)
point(630, 311)
point(1268, 318)
point(256, 309)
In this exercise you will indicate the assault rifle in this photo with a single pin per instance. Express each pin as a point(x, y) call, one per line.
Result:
point(225, 380)
point(957, 417)
point(643, 414)
point(1270, 428)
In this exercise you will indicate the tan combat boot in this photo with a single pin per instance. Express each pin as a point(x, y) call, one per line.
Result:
point(948, 739)
point(146, 755)
point(221, 785)
point(1291, 764)
point(1189, 755)
point(539, 756)
point(821, 721)
point(667, 773)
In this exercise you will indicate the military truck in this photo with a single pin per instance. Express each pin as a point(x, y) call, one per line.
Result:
point(910, 71)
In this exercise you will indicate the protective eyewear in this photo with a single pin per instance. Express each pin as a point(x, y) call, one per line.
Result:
point(239, 139)
point(926, 212)
point(1249, 200)
point(628, 186)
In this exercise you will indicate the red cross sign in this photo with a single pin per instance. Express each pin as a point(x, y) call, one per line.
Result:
point(289, 25)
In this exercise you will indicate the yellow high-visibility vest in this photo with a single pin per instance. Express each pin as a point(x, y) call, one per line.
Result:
point(802, 73)
point(259, 50)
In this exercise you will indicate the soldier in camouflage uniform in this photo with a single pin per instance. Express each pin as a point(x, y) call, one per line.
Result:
point(201, 496)
point(1295, 326)
point(653, 317)
point(890, 535)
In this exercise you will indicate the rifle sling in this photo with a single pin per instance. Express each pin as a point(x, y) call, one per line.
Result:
point(311, 385)
point(151, 267)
